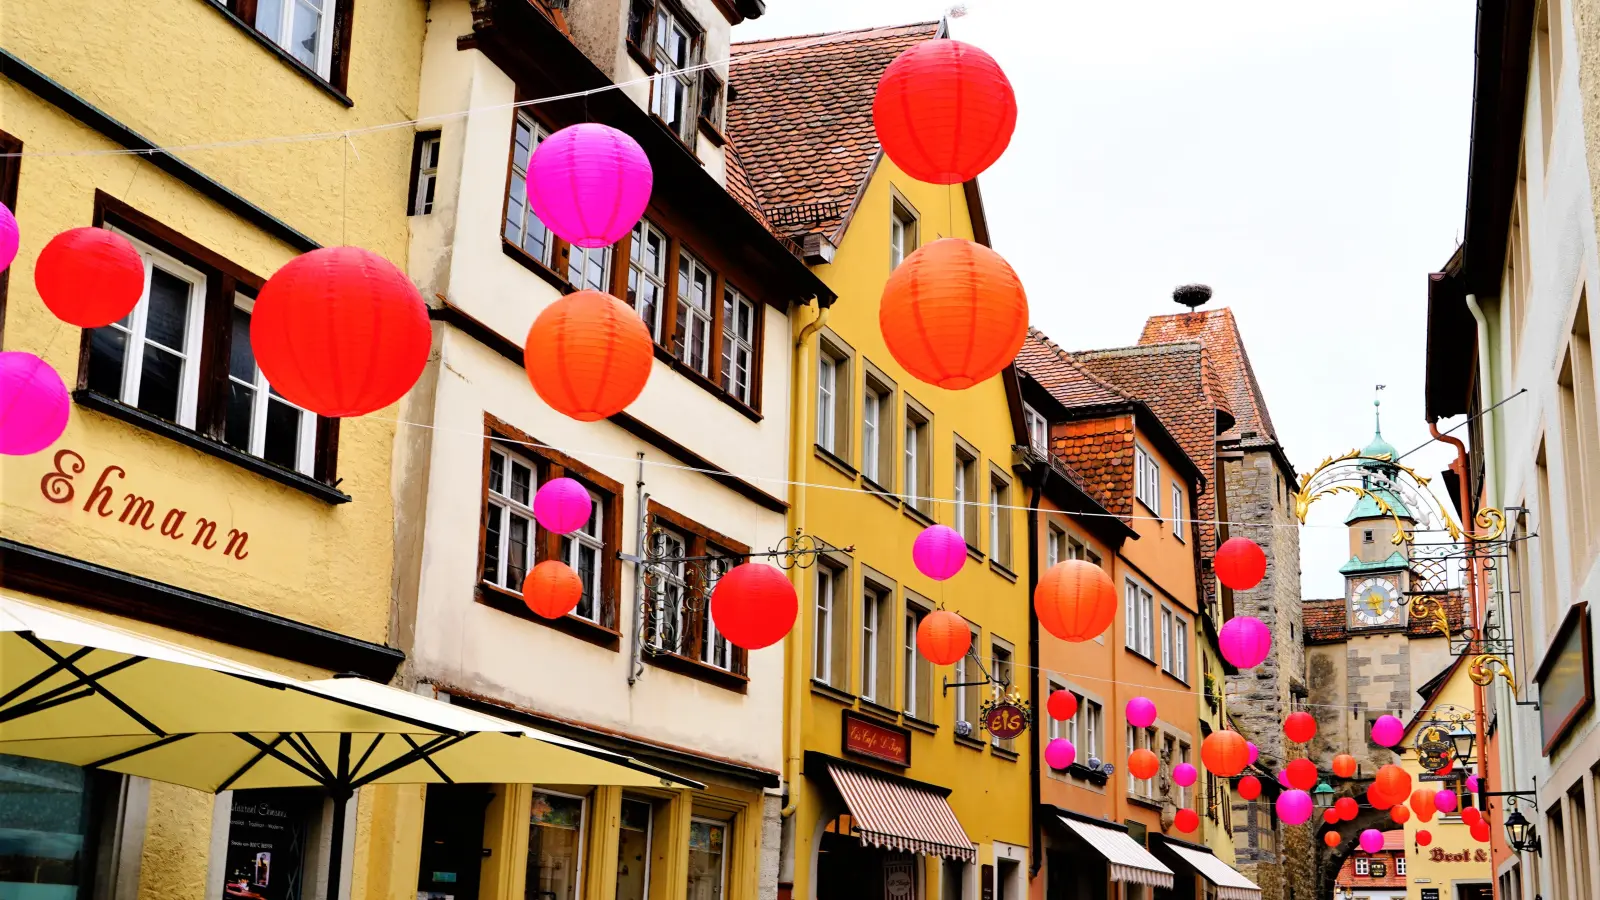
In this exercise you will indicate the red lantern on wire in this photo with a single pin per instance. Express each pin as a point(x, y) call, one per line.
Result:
point(1302, 774)
point(89, 277)
point(1075, 600)
point(1344, 765)
point(1400, 814)
point(1393, 782)
point(1249, 787)
point(588, 355)
point(340, 331)
point(1471, 816)
point(1330, 816)
point(1300, 727)
point(954, 313)
point(1347, 807)
point(944, 111)
point(1186, 821)
point(1061, 705)
point(943, 637)
point(754, 605)
point(1240, 564)
point(1480, 831)
point(552, 589)
point(1424, 837)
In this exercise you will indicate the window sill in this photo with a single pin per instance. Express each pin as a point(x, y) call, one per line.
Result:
point(1003, 753)
point(1149, 509)
point(881, 492)
point(687, 143)
point(917, 724)
point(1141, 656)
point(828, 456)
point(706, 384)
point(1145, 802)
point(879, 711)
point(1174, 677)
point(1003, 571)
point(824, 689)
point(284, 56)
point(970, 743)
point(496, 597)
point(194, 440)
point(710, 131)
point(694, 668)
point(536, 267)
point(916, 515)
point(974, 553)
point(638, 54)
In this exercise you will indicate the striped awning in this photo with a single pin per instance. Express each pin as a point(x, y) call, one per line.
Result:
point(1229, 883)
point(1127, 860)
point(896, 816)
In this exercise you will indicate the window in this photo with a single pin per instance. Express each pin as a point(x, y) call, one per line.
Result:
point(966, 498)
point(1185, 794)
point(691, 337)
point(259, 420)
point(918, 484)
point(1580, 439)
point(902, 233)
point(671, 42)
point(1547, 545)
point(999, 520)
point(1138, 610)
point(738, 344)
point(1090, 711)
point(1147, 479)
point(1000, 672)
point(45, 811)
point(509, 532)
point(1059, 729)
point(1038, 429)
point(1361, 865)
point(969, 699)
point(1133, 735)
point(584, 551)
point(303, 28)
point(1055, 549)
point(1176, 511)
point(150, 359)
point(671, 635)
point(1399, 865)
point(1180, 648)
point(708, 859)
point(556, 827)
point(647, 276)
point(271, 834)
point(685, 637)
point(918, 672)
point(1366, 535)
point(714, 648)
point(1547, 53)
point(830, 653)
point(877, 644)
point(833, 399)
point(589, 268)
point(1166, 638)
point(1076, 549)
point(635, 828)
point(1515, 290)
point(424, 172)
point(877, 430)
point(711, 99)
point(523, 229)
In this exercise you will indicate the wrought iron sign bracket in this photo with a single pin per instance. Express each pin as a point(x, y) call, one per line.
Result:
point(988, 678)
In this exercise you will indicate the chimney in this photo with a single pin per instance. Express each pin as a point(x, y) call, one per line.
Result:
point(1191, 295)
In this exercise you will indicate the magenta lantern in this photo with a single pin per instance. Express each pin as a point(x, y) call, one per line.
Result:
point(1283, 777)
point(1059, 753)
point(33, 404)
point(939, 552)
point(1387, 731)
point(8, 237)
point(1294, 807)
point(1184, 774)
point(562, 505)
point(1372, 840)
point(589, 184)
point(1141, 712)
point(1254, 751)
point(1245, 641)
point(1445, 800)
point(1472, 784)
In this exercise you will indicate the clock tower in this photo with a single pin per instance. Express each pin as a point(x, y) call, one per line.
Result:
point(1378, 572)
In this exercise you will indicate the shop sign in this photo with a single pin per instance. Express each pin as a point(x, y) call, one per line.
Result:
point(1565, 677)
point(1439, 854)
point(1006, 717)
point(1379, 870)
point(876, 740)
point(1430, 894)
point(898, 881)
point(266, 843)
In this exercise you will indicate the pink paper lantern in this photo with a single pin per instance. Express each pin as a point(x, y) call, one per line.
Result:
point(1372, 840)
point(589, 184)
point(33, 404)
point(1283, 778)
point(1387, 731)
point(939, 552)
point(1141, 712)
point(562, 505)
point(1059, 753)
point(1445, 800)
point(1245, 641)
point(1294, 807)
point(9, 237)
point(1184, 774)
point(1472, 784)
point(1254, 751)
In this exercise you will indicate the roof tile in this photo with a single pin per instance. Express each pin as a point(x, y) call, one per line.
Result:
point(1217, 330)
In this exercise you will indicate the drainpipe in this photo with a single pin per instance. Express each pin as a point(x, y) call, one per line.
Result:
point(1460, 466)
point(797, 517)
point(1485, 389)
point(1034, 778)
point(1477, 584)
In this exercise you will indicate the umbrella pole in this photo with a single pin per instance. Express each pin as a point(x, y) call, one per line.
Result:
point(341, 792)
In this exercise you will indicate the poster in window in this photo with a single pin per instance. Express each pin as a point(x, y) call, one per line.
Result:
point(898, 881)
point(267, 837)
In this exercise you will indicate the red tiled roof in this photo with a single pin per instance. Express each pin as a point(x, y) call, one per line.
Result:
point(1101, 452)
point(1387, 856)
point(1217, 330)
point(738, 179)
point(1074, 386)
point(802, 108)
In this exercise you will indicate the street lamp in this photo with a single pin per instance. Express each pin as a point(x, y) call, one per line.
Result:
point(1322, 795)
point(1463, 738)
point(1520, 832)
point(1348, 891)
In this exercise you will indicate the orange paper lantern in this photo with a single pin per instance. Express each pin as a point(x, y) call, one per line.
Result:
point(1376, 798)
point(1331, 839)
point(1075, 600)
point(1400, 814)
point(1143, 764)
point(943, 638)
point(944, 111)
point(1225, 753)
point(1344, 765)
point(588, 355)
point(954, 313)
point(1393, 782)
point(1422, 803)
point(754, 605)
point(552, 589)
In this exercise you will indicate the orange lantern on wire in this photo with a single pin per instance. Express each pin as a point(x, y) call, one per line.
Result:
point(1422, 803)
point(1331, 839)
point(1225, 753)
point(943, 637)
point(588, 355)
point(1143, 764)
point(1393, 782)
point(954, 313)
point(1400, 814)
point(552, 589)
point(1075, 600)
point(1344, 765)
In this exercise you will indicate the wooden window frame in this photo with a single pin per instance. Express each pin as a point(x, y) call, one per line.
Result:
point(419, 142)
point(644, 53)
point(337, 82)
point(10, 181)
point(917, 673)
point(224, 279)
point(836, 568)
point(1002, 537)
point(555, 464)
point(701, 541)
point(901, 212)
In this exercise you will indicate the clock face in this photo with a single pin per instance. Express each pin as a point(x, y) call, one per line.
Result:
point(1375, 601)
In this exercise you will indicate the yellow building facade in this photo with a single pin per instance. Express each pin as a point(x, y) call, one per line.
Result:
point(182, 501)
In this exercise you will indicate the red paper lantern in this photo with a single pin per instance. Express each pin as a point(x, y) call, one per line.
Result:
point(1075, 600)
point(1240, 564)
point(1300, 727)
point(1249, 787)
point(1376, 798)
point(943, 638)
point(754, 605)
point(1471, 816)
point(551, 589)
point(90, 277)
point(1331, 839)
point(1143, 764)
point(1224, 753)
point(1062, 705)
point(1424, 837)
point(1302, 774)
point(588, 355)
point(954, 313)
point(1480, 831)
point(1344, 765)
point(1330, 816)
point(944, 111)
point(1347, 808)
point(1400, 814)
point(1186, 820)
point(1393, 782)
point(340, 331)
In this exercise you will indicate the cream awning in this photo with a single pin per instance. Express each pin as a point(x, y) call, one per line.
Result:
point(1126, 859)
point(1229, 883)
point(898, 816)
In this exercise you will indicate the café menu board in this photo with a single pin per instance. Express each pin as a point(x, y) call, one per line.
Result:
point(267, 843)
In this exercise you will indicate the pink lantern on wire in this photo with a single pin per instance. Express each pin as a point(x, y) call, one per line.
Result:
point(1253, 751)
point(1372, 840)
point(589, 184)
point(10, 237)
point(1141, 712)
point(1472, 783)
point(1294, 807)
point(1245, 641)
point(33, 404)
point(1184, 774)
point(1059, 753)
point(1445, 800)
point(939, 552)
point(1387, 731)
point(562, 505)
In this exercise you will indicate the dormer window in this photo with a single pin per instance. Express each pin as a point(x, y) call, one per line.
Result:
point(670, 42)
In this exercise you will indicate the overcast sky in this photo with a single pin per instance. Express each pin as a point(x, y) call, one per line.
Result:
point(1306, 159)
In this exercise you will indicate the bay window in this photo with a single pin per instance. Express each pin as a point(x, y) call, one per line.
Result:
point(508, 548)
point(738, 344)
point(647, 276)
point(691, 337)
